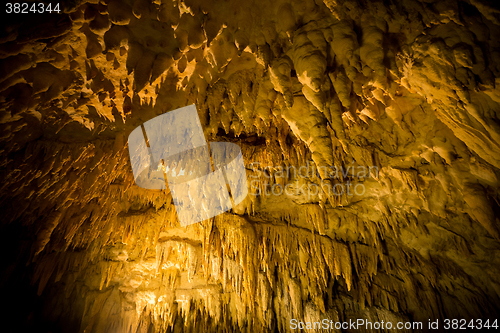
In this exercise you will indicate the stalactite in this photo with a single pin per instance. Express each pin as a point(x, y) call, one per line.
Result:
point(400, 99)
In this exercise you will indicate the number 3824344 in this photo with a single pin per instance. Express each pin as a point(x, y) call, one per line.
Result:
point(31, 8)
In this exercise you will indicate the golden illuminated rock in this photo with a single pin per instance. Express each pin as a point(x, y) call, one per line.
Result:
point(371, 136)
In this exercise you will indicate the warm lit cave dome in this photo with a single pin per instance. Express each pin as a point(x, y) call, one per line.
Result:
point(394, 104)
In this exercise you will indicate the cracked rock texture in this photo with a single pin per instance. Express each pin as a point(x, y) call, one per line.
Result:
point(409, 90)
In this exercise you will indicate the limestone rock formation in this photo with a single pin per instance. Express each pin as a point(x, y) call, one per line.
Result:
point(371, 136)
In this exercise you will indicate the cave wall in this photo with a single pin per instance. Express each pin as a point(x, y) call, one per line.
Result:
point(405, 89)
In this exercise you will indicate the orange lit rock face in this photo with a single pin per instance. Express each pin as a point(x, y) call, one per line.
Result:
point(406, 90)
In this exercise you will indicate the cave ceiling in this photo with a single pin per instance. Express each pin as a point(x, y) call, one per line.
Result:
point(393, 104)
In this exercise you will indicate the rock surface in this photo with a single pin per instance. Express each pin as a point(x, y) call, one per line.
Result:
point(394, 102)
